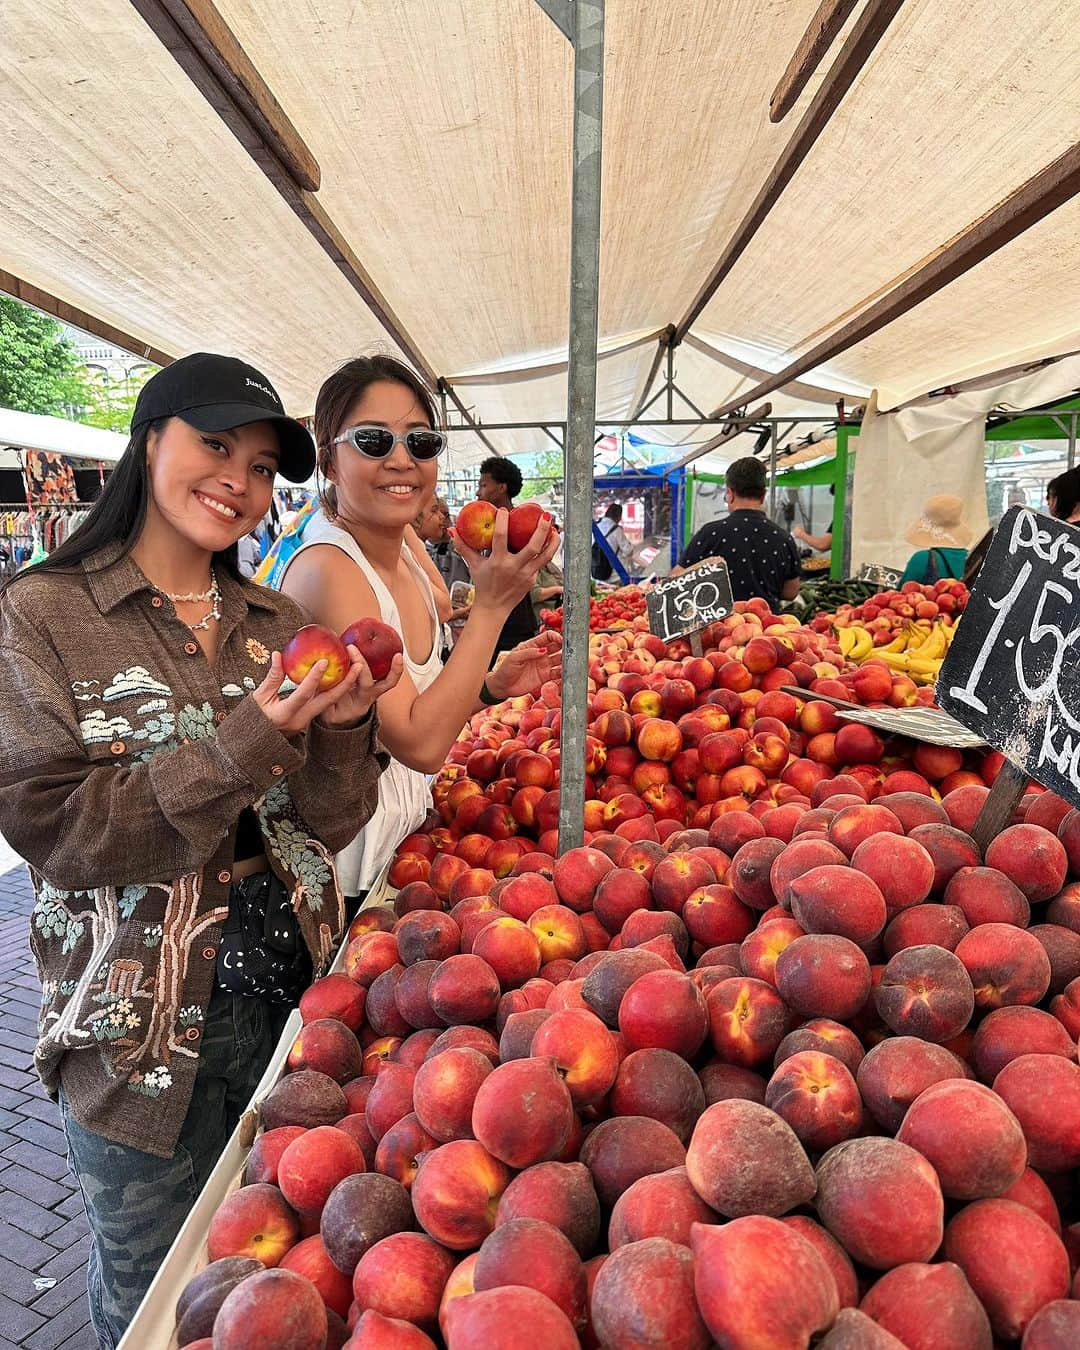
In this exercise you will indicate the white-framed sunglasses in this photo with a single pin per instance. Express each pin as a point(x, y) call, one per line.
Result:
point(375, 442)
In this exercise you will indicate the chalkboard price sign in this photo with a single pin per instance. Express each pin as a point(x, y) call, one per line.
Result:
point(886, 577)
point(689, 602)
point(1012, 674)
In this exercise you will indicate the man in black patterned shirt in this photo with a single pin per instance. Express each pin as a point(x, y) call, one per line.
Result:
point(761, 558)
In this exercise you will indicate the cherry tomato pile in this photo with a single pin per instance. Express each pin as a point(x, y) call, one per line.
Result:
point(617, 609)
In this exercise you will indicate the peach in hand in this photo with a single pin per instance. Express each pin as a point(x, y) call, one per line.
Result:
point(314, 643)
point(376, 642)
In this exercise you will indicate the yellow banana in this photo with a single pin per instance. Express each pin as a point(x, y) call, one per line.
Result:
point(935, 645)
point(846, 638)
point(864, 645)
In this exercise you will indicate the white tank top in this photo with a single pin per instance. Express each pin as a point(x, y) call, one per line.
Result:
point(404, 796)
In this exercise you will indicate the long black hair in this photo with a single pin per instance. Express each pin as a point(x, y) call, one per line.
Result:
point(118, 516)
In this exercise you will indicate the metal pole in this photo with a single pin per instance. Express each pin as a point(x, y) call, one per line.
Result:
point(772, 473)
point(1072, 440)
point(588, 40)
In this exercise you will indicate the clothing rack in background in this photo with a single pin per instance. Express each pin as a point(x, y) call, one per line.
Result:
point(25, 532)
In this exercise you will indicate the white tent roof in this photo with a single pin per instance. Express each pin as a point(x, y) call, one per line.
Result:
point(442, 129)
point(32, 431)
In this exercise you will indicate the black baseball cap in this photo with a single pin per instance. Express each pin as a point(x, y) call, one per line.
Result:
point(217, 393)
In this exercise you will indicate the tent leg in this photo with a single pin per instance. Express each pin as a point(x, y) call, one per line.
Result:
point(588, 41)
point(840, 544)
point(1072, 441)
point(772, 472)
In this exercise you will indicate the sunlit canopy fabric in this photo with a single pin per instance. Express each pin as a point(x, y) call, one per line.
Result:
point(443, 130)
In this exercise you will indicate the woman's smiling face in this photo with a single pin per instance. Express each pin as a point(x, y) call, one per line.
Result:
point(212, 487)
point(386, 492)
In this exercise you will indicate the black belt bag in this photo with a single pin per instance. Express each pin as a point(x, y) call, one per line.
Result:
point(262, 952)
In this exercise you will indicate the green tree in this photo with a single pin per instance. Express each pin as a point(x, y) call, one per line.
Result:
point(111, 403)
point(546, 472)
point(39, 367)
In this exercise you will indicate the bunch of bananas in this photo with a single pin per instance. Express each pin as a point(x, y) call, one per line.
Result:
point(914, 651)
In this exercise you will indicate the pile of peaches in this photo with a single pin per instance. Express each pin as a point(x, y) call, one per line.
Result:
point(807, 1076)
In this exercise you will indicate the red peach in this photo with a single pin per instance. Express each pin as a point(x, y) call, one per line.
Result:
point(403, 1277)
point(747, 1020)
point(743, 1159)
point(929, 925)
point(336, 997)
point(969, 1135)
point(950, 849)
point(1033, 858)
point(1062, 947)
point(895, 1071)
point(584, 1051)
point(605, 986)
point(1056, 1325)
point(816, 1095)
point(1006, 965)
point(748, 875)
point(901, 869)
point(664, 1009)
point(1014, 1263)
point(882, 1201)
point(456, 1193)
point(427, 935)
point(401, 1148)
point(309, 1259)
point(838, 900)
point(987, 896)
point(1008, 1033)
point(644, 1296)
point(444, 1090)
point(663, 1205)
point(823, 975)
point(856, 744)
point(306, 1098)
point(262, 1162)
point(854, 824)
point(519, 1030)
point(559, 933)
point(523, 1112)
point(619, 894)
point(830, 1251)
point(620, 1151)
point(721, 1082)
point(1043, 1092)
point(369, 955)
point(390, 1098)
point(760, 950)
point(912, 808)
point(272, 1308)
point(494, 1319)
point(1033, 1193)
point(311, 1166)
point(714, 915)
point(925, 992)
point(660, 1085)
point(759, 1282)
point(254, 1221)
point(510, 949)
point(929, 1307)
point(802, 855)
point(529, 1253)
point(825, 1035)
point(557, 1193)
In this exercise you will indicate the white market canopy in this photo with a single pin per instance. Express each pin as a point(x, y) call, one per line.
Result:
point(440, 132)
point(33, 431)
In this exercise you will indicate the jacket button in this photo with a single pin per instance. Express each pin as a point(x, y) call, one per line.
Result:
point(224, 877)
point(156, 601)
point(208, 953)
point(192, 1034)
point(191, 648)
point(276, 770)
point(117, 748)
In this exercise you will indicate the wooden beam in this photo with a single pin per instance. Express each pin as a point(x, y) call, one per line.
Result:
point(1050, 188)
point(190, 30)
point(732, 430)
point(205, 46)
point(78, 318)
point(821, 33)
point(863, 38)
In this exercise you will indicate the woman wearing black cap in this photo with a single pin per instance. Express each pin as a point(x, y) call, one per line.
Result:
point(179, 814)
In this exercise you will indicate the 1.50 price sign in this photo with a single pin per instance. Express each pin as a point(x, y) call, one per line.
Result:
point(691, 601)
point(1012, 671)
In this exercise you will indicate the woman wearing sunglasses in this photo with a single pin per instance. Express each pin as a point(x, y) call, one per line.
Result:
point(178, 811)
point(378, 449)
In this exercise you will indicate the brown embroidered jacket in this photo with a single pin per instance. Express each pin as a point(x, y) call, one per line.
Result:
point(125, 761)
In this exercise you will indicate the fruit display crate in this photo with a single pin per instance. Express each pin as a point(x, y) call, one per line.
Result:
point(154, 1325)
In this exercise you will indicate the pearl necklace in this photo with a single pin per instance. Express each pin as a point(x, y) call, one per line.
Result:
point(213, 595)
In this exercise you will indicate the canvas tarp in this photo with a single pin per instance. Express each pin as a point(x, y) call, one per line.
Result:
point(908, 456)
point(443, 129)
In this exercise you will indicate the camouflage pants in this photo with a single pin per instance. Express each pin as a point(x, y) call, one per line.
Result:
point(136, 1203)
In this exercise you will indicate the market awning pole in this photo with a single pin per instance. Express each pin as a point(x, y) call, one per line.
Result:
point(1072, 441)
point(583, 23)
point(772, 473)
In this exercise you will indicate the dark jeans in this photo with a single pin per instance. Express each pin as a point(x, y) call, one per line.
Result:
point(136, 1203)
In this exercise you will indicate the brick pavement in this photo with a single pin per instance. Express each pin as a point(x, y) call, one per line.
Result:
point(43, 1231)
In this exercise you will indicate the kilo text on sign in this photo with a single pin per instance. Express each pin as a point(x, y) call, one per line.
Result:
point(1013, 671)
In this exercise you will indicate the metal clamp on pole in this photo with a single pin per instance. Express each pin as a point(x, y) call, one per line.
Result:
point(583, 23)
